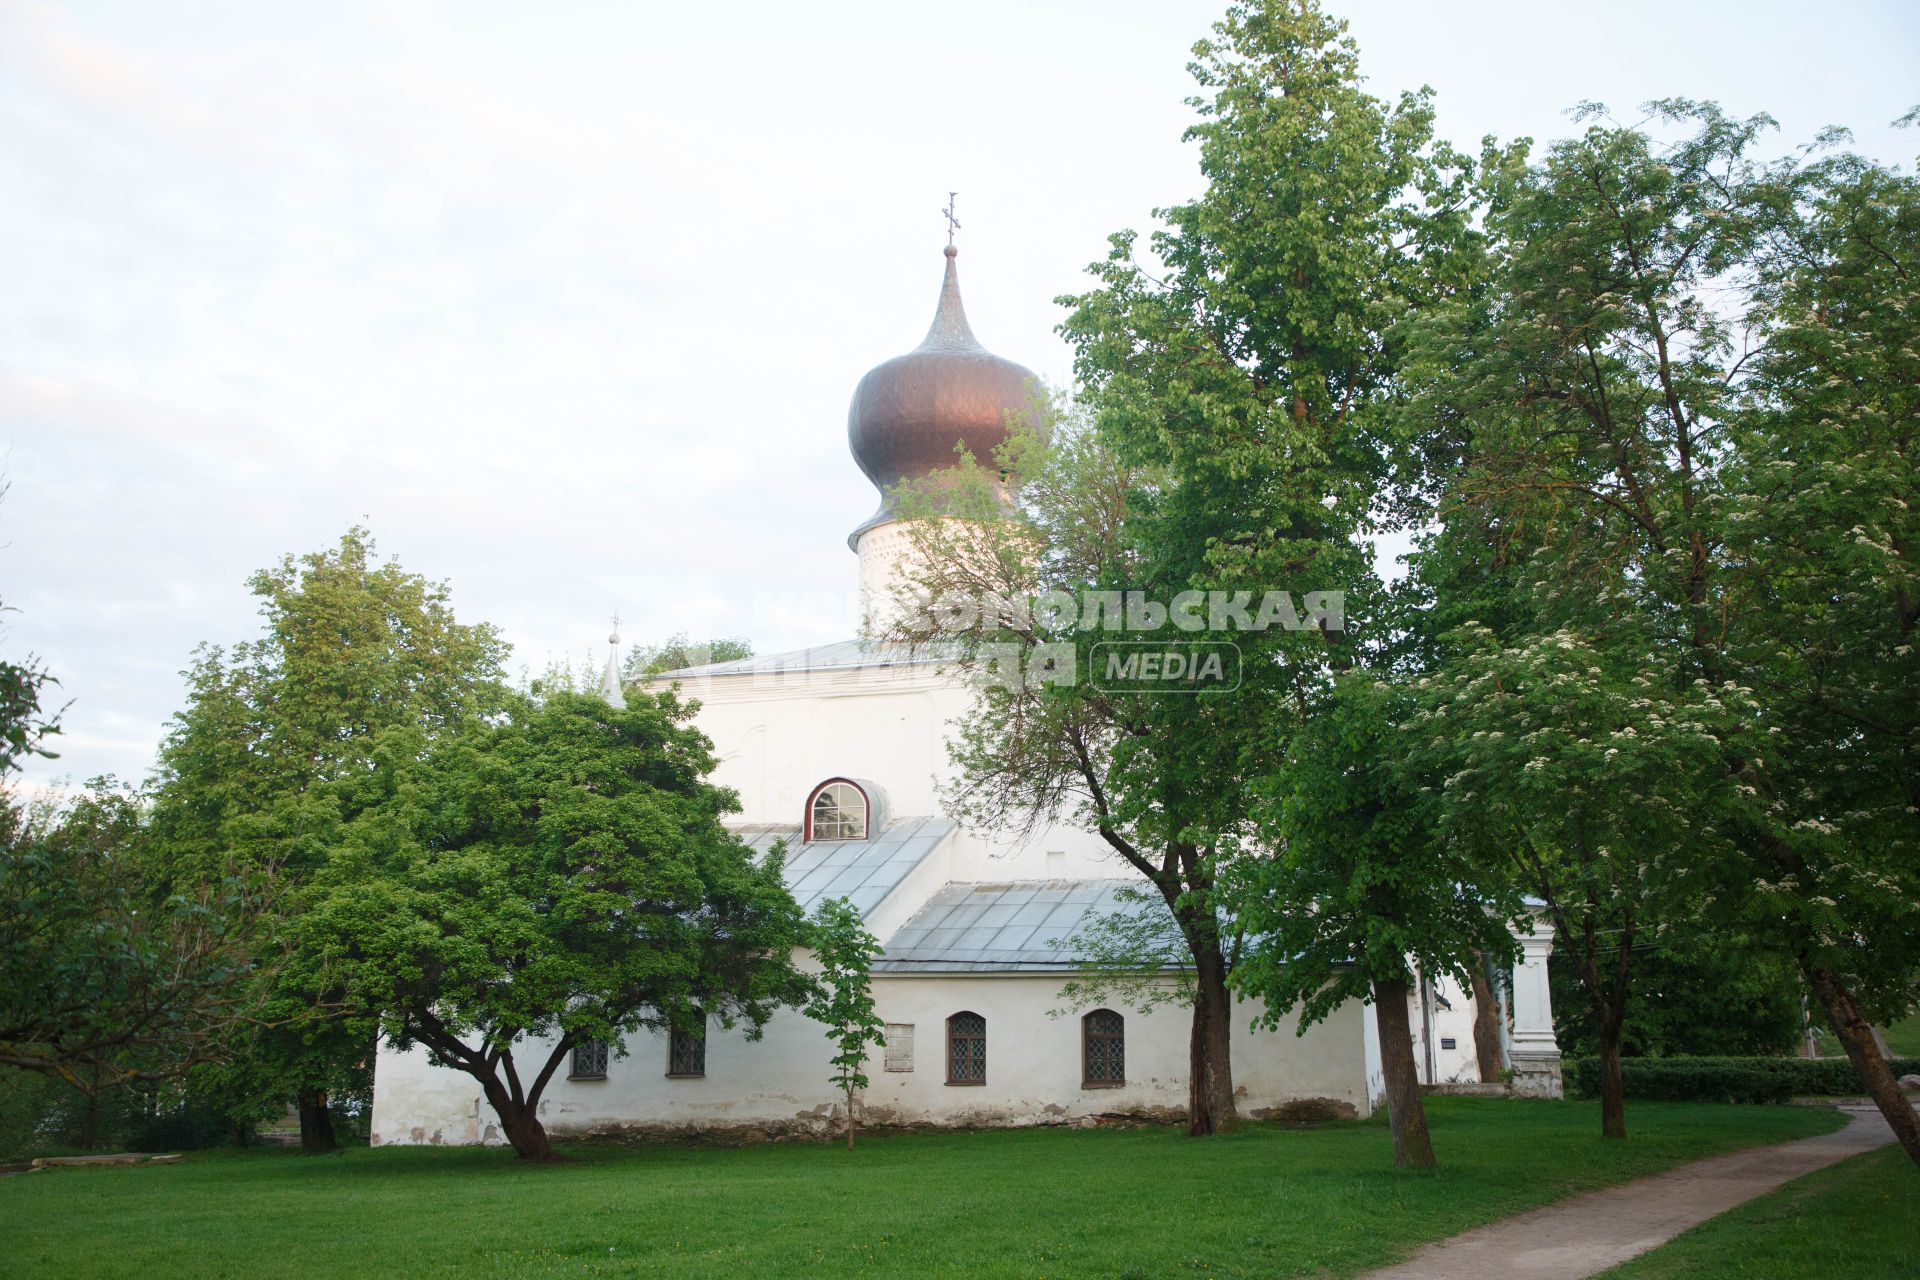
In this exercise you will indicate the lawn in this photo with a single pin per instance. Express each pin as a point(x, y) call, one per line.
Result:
point(1904, 1038)
point(1860, 1218)
point(1032, 1203)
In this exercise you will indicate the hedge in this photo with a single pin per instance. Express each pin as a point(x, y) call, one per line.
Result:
point(1728, 1079)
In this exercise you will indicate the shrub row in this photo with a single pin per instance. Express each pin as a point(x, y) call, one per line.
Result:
point(1728, 1079)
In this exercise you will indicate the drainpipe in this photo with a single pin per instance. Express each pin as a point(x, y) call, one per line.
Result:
point(1426, 1026)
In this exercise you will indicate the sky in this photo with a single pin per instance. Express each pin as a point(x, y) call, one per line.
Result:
point(565, 301)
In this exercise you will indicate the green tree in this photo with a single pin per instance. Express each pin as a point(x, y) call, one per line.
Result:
point(104, 980)
point(1696, 992)
point(1820, 541)
point(1671, 443)
point(1238, 380)
point(1362, 887)
point(644, 661)
point(562, 875)
point(842, 998)
point(270, 759)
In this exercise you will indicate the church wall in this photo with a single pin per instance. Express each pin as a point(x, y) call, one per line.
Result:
point(778, 1085)
point(778, 738)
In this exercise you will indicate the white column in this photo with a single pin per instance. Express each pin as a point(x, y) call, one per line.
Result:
point(1535, 1053)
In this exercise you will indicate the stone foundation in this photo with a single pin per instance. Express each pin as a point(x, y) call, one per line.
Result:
point(1537, 1075)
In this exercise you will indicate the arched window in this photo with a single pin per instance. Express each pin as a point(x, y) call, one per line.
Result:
point(837, 811)
point(1103, 1050)
point(966, 1049)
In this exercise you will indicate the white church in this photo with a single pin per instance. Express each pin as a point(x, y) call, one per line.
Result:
point(840, 752)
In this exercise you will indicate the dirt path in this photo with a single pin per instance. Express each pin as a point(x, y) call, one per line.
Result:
point(1589, 1233)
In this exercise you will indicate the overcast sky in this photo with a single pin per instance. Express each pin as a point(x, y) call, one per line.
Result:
point(566, 300)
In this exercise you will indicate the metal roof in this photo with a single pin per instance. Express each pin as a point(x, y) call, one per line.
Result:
point(840, 655)
point(862, 871)
point(1018, 926)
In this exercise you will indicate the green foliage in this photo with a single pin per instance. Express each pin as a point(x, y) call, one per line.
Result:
point(274, 755)
point(644, 661)
point(558, 875)
point(109, 979)
point(842, 998)
point(1134, 957)
point(1727, 1079)
point(1361, 884)
point(1693, 993)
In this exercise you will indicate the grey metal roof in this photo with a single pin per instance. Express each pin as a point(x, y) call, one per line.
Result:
point(862, 871)
point(838, 656)
point(1005, 927)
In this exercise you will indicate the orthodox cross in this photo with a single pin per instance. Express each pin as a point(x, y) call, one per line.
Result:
point(953, 223)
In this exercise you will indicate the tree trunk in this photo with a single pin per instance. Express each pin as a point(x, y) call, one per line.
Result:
point(1210, 1107)
point(316, 1122)
point(1613, 1085)
point(1406, 1115)
point(1487, 1017)
point(520, 1122)
point(1871, 1065)
point(849, 1119)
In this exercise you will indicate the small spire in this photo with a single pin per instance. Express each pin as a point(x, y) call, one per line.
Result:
point(610, 689)
point(950, 331)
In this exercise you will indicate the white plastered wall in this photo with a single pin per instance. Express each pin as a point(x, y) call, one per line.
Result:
point(780, 1083)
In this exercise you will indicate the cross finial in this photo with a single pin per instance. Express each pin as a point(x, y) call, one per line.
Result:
point(953, 223)
point(615, 637)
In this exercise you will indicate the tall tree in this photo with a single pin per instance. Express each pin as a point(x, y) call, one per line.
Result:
point(270, 758)
point(1820, 540)
point(842, 997)
point(560, 876)
point(1672, 449)
point(1245, 369)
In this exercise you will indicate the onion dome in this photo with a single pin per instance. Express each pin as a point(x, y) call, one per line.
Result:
point(909, 414)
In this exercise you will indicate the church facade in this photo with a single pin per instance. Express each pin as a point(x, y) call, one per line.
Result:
point(839, 752)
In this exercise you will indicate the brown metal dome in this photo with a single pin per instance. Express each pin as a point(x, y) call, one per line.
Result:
point(909, 414)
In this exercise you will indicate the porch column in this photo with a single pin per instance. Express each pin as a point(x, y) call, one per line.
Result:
point(1534, 1053)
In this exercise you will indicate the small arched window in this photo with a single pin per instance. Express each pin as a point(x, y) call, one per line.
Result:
point(837, 811)
point(966, 1049)
point(1103, 1050)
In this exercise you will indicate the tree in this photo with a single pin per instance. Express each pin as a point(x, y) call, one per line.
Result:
point(1153, 777)
point(1821, 547)
point(106, 981)
point(1238, 381)
point(842, 998)
point(644, 661)
point(559, 876)
point(269, 761)
point(1568, 760)
point(1672, 448)
point(1361, 888)
point(1696, 992)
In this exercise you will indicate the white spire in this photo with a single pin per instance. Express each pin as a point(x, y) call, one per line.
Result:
point(610, 679)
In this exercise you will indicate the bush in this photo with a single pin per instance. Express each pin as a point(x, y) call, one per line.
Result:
point(1753, 1080)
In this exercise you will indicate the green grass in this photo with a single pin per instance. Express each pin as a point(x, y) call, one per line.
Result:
point(1033, 1203)
point(1860, 1218)
point(1904, 1038)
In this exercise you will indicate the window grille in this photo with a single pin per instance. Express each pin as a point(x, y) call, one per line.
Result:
point(1104, 1039)
point(687, 1052)
point(589, 1061)
point(966, 1049)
